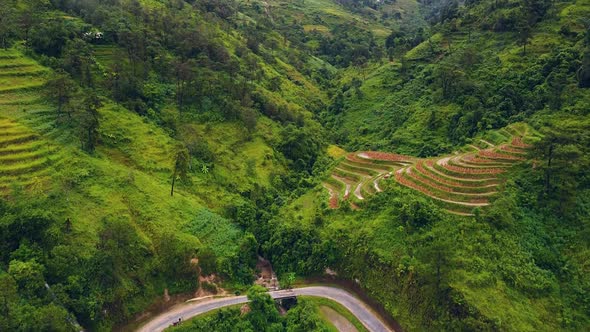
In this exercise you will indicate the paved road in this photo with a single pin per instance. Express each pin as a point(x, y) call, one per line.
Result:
point(367, 317)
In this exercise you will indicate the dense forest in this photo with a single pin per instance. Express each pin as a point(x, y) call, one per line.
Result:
point(155, 148)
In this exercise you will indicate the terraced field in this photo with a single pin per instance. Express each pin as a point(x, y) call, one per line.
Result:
point(26, 124)
point(25, 158)
point(458, 183)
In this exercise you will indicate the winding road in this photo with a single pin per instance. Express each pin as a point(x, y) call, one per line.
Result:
point(188, 310)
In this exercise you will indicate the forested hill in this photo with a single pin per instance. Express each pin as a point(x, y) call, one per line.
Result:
point(157, 147)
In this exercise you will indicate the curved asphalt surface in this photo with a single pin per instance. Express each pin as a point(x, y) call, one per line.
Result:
point(365, 315)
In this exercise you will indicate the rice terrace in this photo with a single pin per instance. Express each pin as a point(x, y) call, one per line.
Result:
point(26, 124)
point(458, 183)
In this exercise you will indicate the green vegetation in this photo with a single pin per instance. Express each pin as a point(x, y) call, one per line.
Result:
point(260, 314)
point(146, 145)
point(322, 302)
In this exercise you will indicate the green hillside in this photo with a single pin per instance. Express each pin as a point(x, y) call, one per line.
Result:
point(434, 153)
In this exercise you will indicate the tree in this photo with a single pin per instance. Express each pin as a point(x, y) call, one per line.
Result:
point(288, 280)
point(135, 43)
point(174, 260)
point(50, 36)
point(7, 24)
point(337, 104)
point(62, 89)
point(524, 34)
point(89, 121)
point(30, 13)
point(181, 166)
point(556, 83)
point(563, 159)
point(185, 74)
point(448, 78)
point(78, 60)
point(583, 73)
point(51, 318)
point(301, 146)
point(263, 312)
point(432, 120)
point(249, 118)
point(8, 296)
point(28, 276)
point(305, 317)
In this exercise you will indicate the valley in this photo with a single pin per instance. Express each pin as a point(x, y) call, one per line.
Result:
point(431, 155)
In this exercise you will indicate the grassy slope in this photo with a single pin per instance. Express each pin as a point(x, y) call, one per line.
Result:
point(320, 302)
point(393, 116)
point(388, 241)
point(130, 173)
point(327, 12)
point(324, 15)
point(128, 177)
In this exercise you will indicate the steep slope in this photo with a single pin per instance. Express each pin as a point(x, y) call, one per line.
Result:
point(127, 180)
point(464, 78)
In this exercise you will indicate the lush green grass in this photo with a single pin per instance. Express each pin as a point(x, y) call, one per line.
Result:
point(24, 155)
point(322, 302)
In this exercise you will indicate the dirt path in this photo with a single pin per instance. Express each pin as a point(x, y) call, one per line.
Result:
point(376, 185)
point(376, 182)
point(488, 143)
point(333, 200)
point(443, 161)
point(357, 191)
point(465, 214)
point(340, 322)
point(346, 185)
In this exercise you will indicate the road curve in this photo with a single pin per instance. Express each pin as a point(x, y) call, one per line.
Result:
point(365, 315)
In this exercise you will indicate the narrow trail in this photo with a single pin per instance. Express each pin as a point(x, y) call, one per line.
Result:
point(357, 191)
point(188, 310)
point(488, 143)
point(346, 185)
point(443, 161)
point(333, 199)
point(465, 214)
point(455, 202)
point(347, 191)
point(376, 184)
